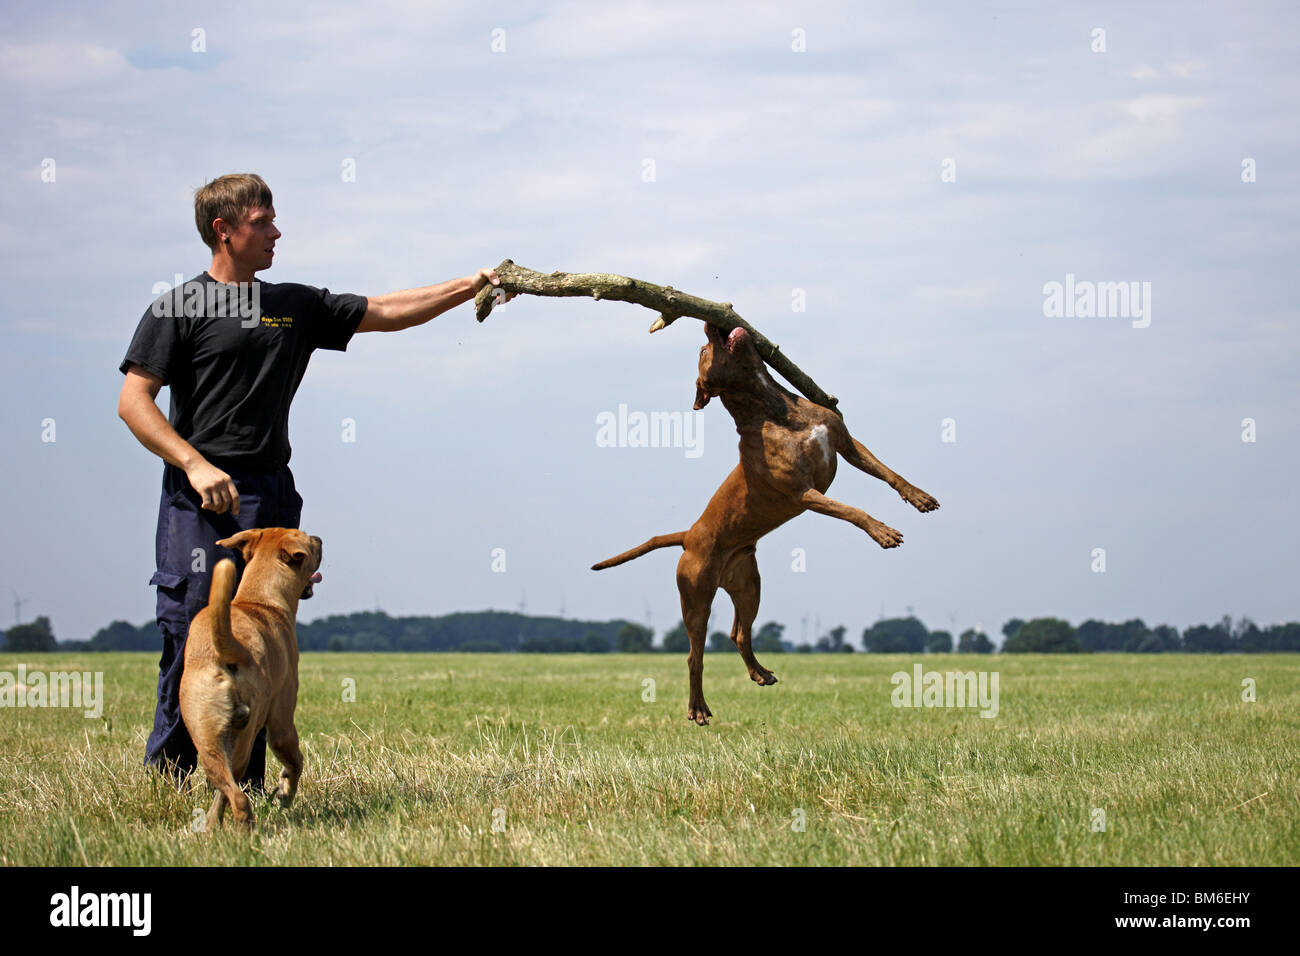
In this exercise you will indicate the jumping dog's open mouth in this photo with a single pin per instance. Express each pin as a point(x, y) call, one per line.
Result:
point(734, 338)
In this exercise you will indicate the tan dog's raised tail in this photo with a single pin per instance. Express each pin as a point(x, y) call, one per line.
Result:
point(241, 664)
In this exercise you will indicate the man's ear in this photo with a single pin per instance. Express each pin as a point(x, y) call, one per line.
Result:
point(245, 542)
point(702, 395)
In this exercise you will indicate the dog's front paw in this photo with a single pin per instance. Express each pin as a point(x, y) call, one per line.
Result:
point(762, 676)
point(884, 535)
point(918, 499)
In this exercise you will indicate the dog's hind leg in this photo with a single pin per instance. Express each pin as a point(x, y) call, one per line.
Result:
point(216, 811)
point(216, 764)
point(741, 581)
point(697, 583)
point(241, 807)
point(282, 738)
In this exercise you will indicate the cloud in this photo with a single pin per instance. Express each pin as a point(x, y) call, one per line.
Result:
point(51, 65)
point(1186, 68)
point(1157, 107)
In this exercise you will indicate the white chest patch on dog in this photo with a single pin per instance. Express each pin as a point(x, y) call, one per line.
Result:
point(823, 439)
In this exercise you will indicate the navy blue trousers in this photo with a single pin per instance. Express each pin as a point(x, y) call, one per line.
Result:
point(186, 550)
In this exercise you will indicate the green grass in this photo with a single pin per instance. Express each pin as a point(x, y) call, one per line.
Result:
point(581, 770)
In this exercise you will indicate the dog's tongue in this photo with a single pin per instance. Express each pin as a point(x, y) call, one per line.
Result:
point(316, 578)
point(735, 338)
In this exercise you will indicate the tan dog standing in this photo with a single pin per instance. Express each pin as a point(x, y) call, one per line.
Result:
point(241, 664)
point(787, 461)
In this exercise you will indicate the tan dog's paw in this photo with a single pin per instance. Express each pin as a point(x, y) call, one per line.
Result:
point(884, 535)
point(244, 818)
point(918, 499)
point(700, 712)
point(762, 677)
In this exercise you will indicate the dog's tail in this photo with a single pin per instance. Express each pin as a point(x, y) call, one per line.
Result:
point(659, 541)
point(229, 651)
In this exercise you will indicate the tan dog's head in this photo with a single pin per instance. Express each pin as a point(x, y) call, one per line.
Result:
point(290, 554)
point(726, 362)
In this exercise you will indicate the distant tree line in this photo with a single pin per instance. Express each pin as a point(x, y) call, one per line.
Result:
point(507, 632)
point(1050, 635)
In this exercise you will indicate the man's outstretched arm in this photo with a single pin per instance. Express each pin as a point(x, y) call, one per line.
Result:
point(411, 307)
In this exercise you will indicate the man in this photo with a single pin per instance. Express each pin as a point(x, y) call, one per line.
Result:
point(233, 351)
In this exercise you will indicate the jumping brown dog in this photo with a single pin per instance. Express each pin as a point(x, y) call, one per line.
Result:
point(787, 461)
point(241, 664)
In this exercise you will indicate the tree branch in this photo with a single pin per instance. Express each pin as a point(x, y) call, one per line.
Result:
point(664, 299)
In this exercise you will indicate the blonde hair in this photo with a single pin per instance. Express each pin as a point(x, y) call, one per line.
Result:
point(229, 198)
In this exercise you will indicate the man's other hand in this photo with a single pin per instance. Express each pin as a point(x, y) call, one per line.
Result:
point(215, 487)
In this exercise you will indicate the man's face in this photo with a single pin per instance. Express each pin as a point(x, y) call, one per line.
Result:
point(252, 243)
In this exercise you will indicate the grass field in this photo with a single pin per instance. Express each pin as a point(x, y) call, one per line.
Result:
point(557, 759)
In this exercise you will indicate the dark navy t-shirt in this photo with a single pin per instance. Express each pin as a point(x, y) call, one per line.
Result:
point(234, 358)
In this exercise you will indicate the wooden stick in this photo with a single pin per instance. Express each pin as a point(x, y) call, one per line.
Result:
point(664, 299)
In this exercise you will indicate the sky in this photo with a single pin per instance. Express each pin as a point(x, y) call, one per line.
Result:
point(884, 190)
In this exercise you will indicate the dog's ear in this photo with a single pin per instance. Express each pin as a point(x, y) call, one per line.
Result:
point(294, 555)
point(244, 542)
point(702, 395)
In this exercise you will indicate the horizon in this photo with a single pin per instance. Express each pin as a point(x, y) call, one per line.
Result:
point(997, 636)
